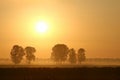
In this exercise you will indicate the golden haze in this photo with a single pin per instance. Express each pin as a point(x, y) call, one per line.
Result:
point(93, 25)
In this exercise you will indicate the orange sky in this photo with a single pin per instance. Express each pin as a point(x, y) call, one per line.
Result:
point(90, 24)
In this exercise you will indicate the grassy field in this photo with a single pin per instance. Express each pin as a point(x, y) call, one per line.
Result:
point(57, 73)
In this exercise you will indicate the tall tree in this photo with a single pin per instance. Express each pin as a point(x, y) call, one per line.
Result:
point(59, 52)
point(17, 53)
point(72, 56)
point(29, 51)
point(81, 55)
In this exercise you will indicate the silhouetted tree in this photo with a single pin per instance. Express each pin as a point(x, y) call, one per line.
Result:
point(59, 52)
point(29, 51)
point(72, 56)
point(17, 53)
point(81, 55)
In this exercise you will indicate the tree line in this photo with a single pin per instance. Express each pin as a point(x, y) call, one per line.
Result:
point(60, 53)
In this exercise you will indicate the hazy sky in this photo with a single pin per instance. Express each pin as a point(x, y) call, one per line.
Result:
point(90, 24)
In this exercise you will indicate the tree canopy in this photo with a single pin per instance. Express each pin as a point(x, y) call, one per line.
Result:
point(29, 51)
point(17, 53)
point(81, 55)
point(72, 56)
point(59, 52)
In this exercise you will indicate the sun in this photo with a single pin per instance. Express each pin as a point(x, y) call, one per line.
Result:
point(41, 27)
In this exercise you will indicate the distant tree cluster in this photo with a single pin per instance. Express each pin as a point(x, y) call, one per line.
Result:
point(60, 53)
point(17, 53)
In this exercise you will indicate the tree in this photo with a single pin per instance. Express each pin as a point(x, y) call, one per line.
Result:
point(59, 52)
point(17, 53)
point(72, 56)
point(29, 51)
point(81, 55)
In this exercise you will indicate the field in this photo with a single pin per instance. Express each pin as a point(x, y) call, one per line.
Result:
point(81, 73)
point(104, 69)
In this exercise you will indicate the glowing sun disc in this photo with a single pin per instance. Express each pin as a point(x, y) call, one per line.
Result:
point(41, 27)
